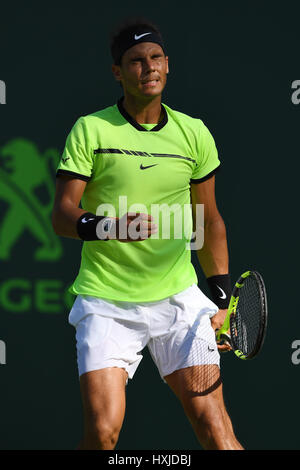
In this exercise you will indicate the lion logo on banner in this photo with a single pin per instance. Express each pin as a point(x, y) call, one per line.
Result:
point(23, 172)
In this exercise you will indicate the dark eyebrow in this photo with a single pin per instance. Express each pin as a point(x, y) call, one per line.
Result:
point(137, 58)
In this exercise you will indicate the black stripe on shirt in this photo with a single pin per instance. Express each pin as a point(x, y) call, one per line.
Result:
point(107, 151)
point(200, 180)
point(72, 173)
point(142, 154)
point(170, 155)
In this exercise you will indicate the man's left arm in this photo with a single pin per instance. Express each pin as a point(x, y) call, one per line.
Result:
point(213, 256)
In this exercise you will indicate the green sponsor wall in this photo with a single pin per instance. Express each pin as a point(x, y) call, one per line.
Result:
point(232, 65)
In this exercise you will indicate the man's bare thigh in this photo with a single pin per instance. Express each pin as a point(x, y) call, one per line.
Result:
point(103, 393)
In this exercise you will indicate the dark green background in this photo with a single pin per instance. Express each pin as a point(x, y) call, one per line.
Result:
point(232, 65)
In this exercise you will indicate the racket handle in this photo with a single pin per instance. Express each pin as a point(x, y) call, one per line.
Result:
point(226, 338)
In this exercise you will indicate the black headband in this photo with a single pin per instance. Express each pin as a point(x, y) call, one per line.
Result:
point(130, 38)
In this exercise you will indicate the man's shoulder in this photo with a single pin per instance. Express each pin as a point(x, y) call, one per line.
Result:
point(107, 114)
point(105, 117)
point(183, 118)
point(186, 125)
point(89, 125)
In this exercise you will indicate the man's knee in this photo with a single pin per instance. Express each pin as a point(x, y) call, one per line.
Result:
point(213, 428)
point(102, 435)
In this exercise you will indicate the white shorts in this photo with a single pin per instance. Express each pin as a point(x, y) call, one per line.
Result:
point(177, 331)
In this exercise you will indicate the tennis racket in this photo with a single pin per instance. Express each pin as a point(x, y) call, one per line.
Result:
point(246, 317)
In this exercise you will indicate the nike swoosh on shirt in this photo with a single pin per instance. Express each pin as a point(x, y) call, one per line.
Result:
point(136, 37)
point(223, 296)
point(145, 167)
point(84, 220)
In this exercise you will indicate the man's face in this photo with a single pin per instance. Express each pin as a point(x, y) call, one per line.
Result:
point(143, 70)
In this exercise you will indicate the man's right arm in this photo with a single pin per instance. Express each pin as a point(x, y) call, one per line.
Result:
point(66, 211)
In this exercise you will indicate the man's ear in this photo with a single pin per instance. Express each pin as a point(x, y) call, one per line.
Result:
point(116, 70)
point(167, 61)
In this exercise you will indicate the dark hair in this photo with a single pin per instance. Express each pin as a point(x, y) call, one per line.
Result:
point(130, 25)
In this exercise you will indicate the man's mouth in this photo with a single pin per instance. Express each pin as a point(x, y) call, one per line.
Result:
point(152, 82)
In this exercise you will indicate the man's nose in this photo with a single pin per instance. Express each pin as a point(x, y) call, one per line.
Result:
point(149, 65)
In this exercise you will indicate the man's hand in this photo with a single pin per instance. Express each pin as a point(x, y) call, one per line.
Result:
point(133, 227)
point(216, 322)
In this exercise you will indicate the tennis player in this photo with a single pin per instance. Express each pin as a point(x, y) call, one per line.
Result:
point(136, 286)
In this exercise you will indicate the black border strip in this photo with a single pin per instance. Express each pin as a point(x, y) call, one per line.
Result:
point(141, 154)
point(107, 151)
point(171, 155)
point(72, 173)
point(212, 173)
point(135, 124)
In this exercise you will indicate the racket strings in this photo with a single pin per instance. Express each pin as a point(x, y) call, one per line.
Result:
point(246, 324)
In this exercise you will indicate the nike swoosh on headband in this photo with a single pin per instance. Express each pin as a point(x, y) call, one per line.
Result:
point(136, 37)
point(223, 296)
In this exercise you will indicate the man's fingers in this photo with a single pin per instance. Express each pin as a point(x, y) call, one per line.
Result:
point(146, 226)
point(141, 222)
point(145, 234)
point(141, 229)
point(216, 325)
point(136, 226)
point(139, 215)
point(224, 347)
